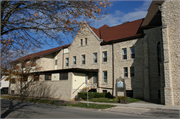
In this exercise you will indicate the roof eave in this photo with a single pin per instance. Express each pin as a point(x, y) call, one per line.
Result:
point(122, 39)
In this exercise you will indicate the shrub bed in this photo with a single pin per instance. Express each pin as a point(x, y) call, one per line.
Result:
point(83, 95)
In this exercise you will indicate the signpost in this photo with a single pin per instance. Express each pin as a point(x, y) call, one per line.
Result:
point(87, 90)
point(120, 86)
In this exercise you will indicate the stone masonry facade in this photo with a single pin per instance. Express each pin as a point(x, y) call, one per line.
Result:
point(146, 77)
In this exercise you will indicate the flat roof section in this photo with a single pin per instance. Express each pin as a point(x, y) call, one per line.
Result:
point(77, 70)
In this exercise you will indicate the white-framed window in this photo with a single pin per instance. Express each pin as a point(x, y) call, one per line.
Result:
point(81, 42)
point(132, 52)
point(132, 71)
point(83, 59)
point(124, 53)
point(105, 56)
point(95, 57)
point(67, 62)
point(125, 72)
point(95, 78)
point(74, 60)
point(104, 76)
point(55, 62)
point(86, 41)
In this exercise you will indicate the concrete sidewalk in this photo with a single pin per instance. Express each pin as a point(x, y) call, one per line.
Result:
point(142, 105)
point(144, 108)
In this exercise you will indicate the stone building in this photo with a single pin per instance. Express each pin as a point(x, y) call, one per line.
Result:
point(144, 53)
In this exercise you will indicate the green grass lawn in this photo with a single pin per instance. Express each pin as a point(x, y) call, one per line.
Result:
point(94, 106)
point(131, 100)
point(57, 102)
point(115, 100)
point(35, 100)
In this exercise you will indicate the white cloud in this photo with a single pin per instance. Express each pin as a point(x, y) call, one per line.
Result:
point(144, 6)
point(131, 16)
point(118, 17)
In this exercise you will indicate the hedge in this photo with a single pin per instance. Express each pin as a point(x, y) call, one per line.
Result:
point(91, 95)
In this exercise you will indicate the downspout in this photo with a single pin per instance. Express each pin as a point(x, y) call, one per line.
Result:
point(112, 68)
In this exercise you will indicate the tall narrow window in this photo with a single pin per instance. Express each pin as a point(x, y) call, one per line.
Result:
point(105, 56)
point(55, 62)
point(83, 59)
point(104, 76)
point(86, 41)
point(74, 60)
point(132, 52)
point(81, 42)
point(95, 57)
point(125, 72)
point(132, 71)
point(159, 57)
point(124, 53)
point(94, 78)
point(48, 77)
point(67, 62)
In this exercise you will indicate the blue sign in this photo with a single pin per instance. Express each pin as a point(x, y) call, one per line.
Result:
point(120, 84)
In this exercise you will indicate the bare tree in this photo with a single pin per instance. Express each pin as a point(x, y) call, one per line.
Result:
point(36, 22)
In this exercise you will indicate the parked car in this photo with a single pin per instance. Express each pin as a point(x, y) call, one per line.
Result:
point(4, 90)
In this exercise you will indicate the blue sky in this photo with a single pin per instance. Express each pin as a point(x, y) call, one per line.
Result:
point(119, 12)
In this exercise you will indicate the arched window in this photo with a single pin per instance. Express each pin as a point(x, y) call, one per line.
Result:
point(159, 56)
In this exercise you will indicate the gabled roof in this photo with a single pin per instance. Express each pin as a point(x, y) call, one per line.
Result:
point(125, 30)
point(153, 17)
point(42, 53)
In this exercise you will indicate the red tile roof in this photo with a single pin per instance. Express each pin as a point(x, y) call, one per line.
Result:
point(42, 53)
point(125, 30)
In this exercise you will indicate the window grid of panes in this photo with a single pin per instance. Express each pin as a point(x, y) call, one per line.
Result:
point(125, 72)
point(95, 57)
point(67, 62)
point(105, 56)
point(132, 52)
point(83, 59)
point(74, 60)
point(104, 76)
point(124, 53)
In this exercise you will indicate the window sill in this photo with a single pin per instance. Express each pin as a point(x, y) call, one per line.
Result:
point(104, 62)
point(104, 83)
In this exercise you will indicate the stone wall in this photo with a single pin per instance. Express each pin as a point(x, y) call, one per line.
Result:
point(59, 89)
point(171, 44)
point(132, 83)
point(153, 37)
